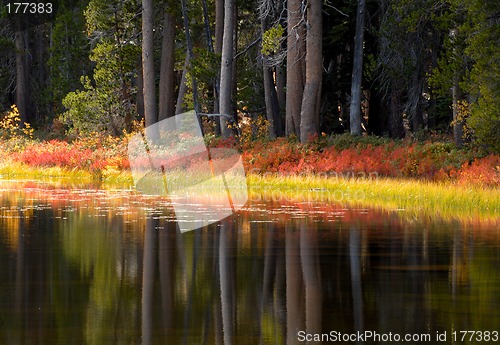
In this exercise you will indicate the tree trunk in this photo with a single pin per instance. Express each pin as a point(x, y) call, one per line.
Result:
point(167, 75)
point(280, 89)
point(21, 74)
point(214, 81)
point(357, 71)
point(219, 32)
point(414, 97)
point(179, 108)
point(226, 72)
point(270, 94)
point(148, 66)
point(139, 102)
point(309, 115)
point(395, 121)
point(234, 73)
point(375, 118)
point(219, 25)
point(194, 84)
point(294, 67)
point(40, 56)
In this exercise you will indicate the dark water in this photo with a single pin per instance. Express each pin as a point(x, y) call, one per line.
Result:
point(93, 267)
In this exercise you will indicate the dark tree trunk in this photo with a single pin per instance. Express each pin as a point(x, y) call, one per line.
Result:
point(219, 32)
point(21, 73)
point(225, 106)
point(395, 119)
point(375, 118)
point(167, 75)
point(194, 84)
point(179, 107)
point(415, 97)
point(234, 74)
point(309, 115)
point(294, 67)
point(280, 88)
point(148, 66)
point(140, 93)
point(357, 71)
point(270, 94)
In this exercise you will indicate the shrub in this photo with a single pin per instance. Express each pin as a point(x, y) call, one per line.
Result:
point(484, 171)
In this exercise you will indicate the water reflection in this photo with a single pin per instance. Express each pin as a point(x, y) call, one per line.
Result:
point(94, 267)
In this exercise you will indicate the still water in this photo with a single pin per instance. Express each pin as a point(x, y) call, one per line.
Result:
point(87, 266)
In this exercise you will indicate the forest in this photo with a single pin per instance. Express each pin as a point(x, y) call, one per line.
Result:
point(368, 137)
point(298, 69)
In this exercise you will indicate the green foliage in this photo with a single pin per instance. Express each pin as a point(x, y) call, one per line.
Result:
point(204, 67)
point(106, 102)
point(485, 74)
point(485, 122)
point(86, 109)
point(271, 40)
point(346, 140)
point(471, 58)
point(68, 54)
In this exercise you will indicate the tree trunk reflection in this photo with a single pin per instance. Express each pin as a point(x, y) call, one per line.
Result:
point(148, 276)
point(294, 286)
point(356, 286)
point(226, 281)
point(312, 277)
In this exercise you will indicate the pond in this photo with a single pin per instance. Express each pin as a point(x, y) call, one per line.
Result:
point(90, 266)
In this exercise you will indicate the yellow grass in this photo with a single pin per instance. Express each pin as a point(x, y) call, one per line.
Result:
point(418, 197)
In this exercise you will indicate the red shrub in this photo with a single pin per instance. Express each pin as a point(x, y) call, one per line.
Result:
point(55, 153)
point(483, 171)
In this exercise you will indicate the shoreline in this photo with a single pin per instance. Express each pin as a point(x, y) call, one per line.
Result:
point(441, 199)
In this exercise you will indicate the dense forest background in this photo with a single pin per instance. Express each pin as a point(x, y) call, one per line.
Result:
point(395, 68)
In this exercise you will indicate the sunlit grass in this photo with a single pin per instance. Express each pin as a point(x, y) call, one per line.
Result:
point(13, 170)
point(18, 171)
point(446, 199)
point(430, 198)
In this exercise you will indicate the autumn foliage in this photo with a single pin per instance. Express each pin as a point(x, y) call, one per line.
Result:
point(94, 154)
point(431, 161)
point(338, 156)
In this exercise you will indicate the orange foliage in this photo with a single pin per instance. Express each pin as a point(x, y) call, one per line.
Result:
point(438, 161)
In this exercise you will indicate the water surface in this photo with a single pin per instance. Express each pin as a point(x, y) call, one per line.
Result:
point(87, 266)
